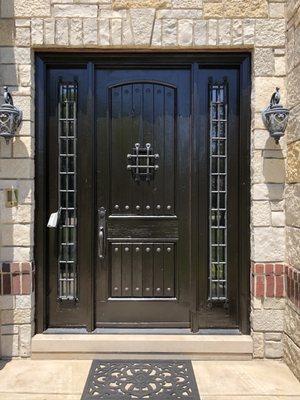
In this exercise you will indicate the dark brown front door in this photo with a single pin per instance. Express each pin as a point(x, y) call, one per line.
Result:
point(146, 178)
point(143, 191)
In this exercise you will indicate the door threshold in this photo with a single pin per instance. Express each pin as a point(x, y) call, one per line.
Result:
point(140, 346)
point(141, 331)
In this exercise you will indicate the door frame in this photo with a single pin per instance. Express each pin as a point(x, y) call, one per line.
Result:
point(242, 61)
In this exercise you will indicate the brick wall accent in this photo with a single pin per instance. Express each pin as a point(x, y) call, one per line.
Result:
point(16, 278)
point(275, 280)
point(268, 280)
point(275, 303)
point(293, 285)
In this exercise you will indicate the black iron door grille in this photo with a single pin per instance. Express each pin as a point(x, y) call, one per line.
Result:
point(143, 164)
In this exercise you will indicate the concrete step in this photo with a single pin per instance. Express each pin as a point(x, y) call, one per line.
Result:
point(137, 346)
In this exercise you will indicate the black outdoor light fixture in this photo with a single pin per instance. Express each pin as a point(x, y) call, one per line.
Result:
point(275, 117)
point(10, 117)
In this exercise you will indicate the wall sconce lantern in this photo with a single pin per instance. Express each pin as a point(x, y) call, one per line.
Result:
point(275, 117)
point(10, 117)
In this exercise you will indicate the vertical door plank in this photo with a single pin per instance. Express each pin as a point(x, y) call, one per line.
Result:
point(158, 256)
point(126, 270)
point(169, 268)
point(159, 148)
point(119, 173)
point(137, 270)
point(124, 179)
point(147, 138)
point(169, 156)
point(147, 270)
point(137, 137)
point(116, 269)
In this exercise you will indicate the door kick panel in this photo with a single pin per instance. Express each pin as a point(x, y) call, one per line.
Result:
point(142, 269)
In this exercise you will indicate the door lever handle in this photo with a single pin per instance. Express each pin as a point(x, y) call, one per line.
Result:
point(101, 232)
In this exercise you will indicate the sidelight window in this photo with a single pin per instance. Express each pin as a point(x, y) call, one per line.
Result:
point(218, 191)
point(67, 135)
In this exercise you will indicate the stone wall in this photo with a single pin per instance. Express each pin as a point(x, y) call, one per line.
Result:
point(257, 26)
point(292, 191)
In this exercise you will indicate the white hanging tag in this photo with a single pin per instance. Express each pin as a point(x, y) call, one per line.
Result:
point(53, 220)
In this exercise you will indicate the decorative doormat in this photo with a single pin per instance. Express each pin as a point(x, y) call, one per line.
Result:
point(141, 379)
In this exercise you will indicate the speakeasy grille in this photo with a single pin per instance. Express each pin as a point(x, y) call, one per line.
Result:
point(67, 136)
point(143, 163)
point(218, 192)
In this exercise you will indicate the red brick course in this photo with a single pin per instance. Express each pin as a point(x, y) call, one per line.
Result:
point(16, 278)
point(267, 280)
point(275, 280)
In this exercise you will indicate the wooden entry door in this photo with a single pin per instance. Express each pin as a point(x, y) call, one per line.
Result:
point(145, 161)
point(143, 191)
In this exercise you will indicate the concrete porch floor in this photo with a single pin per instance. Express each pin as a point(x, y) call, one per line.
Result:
point(217, 380)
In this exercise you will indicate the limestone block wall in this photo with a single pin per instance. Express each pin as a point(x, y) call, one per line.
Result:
point(257, 26)
point(292, 191)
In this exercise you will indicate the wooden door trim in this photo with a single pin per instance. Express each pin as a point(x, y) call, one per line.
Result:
point(43, 60)
point(40, 218)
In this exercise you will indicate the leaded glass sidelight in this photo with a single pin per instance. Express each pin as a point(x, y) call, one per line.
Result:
point(218, 191)
point(67, 136)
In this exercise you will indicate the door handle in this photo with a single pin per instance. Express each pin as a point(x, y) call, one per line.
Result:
point(101, 232)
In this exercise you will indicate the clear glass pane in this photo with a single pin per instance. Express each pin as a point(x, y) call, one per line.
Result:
point(222, 165)
point(214, 218)
point(214, 236)
point(222, 200)
point(63, 110)
point(63, 146)
point(71, 110)
point(214, 129)
point(63, 164)
point(222, 182)
point(71, 179)
point(63, 182)
point(70, 125)
point(222, 129)
point(71, 164)
point(222, 111)
point(214, 200)
point(214, 147)
point(222, 145)
point(214, 111)
point(221, 236)
point(214, 165)
point(214, 182)
point(71, 146)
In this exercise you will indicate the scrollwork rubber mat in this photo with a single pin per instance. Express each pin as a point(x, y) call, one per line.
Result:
point(141, 380)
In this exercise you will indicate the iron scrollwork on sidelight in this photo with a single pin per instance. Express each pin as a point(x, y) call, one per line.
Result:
point(142, 163)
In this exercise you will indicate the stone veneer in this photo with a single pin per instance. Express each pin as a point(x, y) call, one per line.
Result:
point(257, 26)
point(291, 336)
